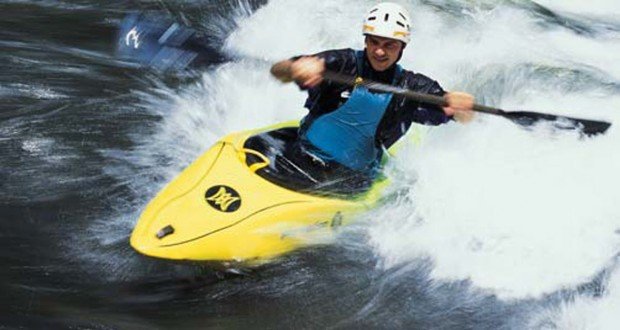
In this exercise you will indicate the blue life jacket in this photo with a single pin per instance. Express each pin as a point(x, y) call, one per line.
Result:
point(347, 135)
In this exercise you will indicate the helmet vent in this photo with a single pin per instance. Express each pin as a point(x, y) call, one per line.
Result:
point(388, 20)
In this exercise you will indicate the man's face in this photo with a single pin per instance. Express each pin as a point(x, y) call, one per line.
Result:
point(382, 52)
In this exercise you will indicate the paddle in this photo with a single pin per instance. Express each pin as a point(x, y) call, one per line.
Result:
point(158, 42)
point(155, 41)
point(524, 118)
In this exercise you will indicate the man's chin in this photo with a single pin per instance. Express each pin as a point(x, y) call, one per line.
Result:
point(380, 66)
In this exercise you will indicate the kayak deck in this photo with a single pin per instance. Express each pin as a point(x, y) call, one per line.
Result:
point(220, 209)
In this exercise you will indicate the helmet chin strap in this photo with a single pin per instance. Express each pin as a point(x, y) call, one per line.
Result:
point(400, 55)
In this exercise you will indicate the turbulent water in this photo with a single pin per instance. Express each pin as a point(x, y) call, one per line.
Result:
point(490, 226)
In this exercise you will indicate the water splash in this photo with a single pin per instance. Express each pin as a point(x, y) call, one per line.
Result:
point(524, 213)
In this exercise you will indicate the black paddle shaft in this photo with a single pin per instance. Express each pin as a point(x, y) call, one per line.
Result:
point(162, 44)
point(524, 118)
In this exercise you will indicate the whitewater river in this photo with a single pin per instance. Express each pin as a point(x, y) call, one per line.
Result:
point(489, 226)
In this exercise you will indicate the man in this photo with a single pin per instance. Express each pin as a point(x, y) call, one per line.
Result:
point(341, 140)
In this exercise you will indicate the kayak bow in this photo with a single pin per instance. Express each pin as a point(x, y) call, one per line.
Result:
point(221, 209)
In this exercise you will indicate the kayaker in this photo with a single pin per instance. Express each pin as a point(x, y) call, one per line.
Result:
point(341, 140)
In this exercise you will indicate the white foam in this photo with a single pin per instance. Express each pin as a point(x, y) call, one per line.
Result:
point(597, 8)
point(520, 213)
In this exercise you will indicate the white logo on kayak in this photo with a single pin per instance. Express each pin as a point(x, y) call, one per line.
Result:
point(223, 199)
point(133, 36)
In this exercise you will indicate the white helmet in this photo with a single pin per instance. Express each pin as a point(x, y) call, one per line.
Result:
point(388, 20)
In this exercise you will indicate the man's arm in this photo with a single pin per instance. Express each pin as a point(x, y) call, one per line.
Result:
point(306, 71)
point(459, 103)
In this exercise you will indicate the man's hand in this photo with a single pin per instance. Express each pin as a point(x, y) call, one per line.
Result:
point(460, 106)
point(306, 71)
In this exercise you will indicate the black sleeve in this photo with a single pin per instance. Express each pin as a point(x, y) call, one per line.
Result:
point(423, 113)
point(337, 60)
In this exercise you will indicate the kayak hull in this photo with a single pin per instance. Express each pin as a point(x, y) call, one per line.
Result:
point(220, 209)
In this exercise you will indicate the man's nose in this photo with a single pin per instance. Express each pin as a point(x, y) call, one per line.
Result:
point(379, 51)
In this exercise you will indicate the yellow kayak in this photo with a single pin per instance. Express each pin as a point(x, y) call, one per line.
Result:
point(221, 209)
